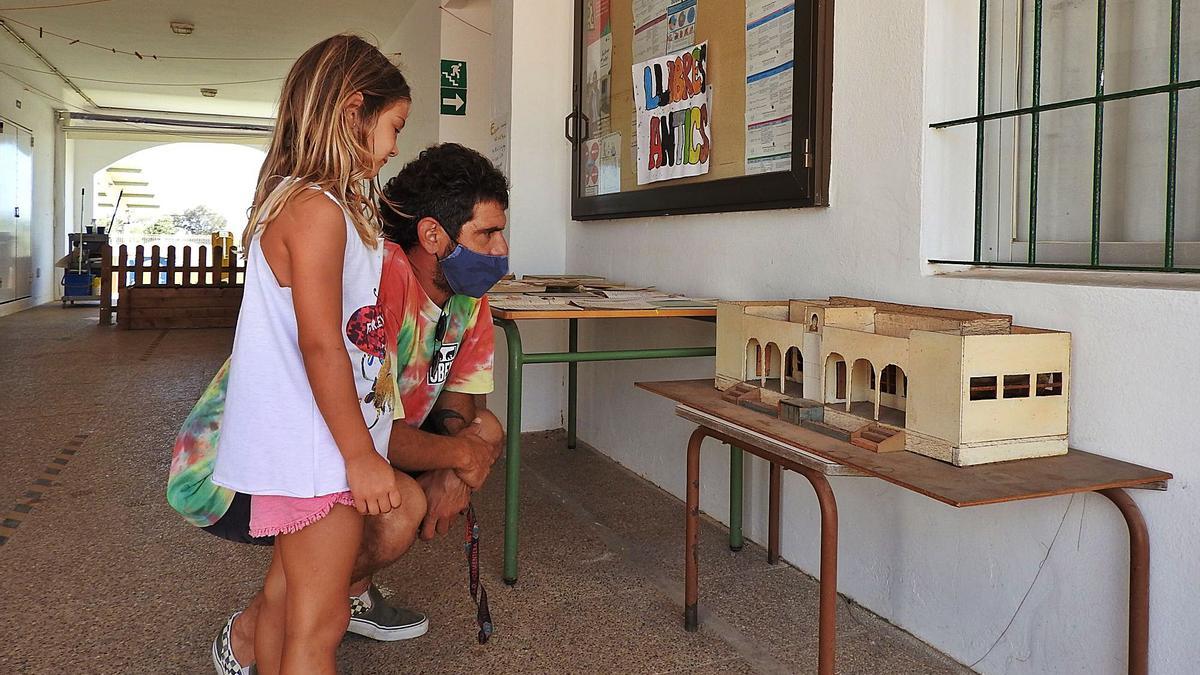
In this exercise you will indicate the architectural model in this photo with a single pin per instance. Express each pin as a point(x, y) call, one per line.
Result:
point(962, 387)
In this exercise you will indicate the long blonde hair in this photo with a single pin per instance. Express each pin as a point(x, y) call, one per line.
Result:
point(316, 143)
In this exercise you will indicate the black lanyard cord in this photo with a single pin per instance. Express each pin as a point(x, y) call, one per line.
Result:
point(483, 615)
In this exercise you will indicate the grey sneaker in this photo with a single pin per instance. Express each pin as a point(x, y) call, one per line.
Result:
point(381, 621)
point(222, 652)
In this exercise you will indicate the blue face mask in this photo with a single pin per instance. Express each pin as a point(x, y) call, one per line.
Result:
point(471, 273)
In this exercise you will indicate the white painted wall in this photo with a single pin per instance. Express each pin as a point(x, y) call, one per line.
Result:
point(37, 115)
point(534, 92)
point(90, 156)
point(471, 43)
point(952, 577)
point(418, 40)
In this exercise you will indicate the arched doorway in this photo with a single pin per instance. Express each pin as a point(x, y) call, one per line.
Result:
point(752, 368)
point(862, 389)
point(793, 373)
point(835, 379)
point(772, 375)
point(175, 193)
point(893, 395)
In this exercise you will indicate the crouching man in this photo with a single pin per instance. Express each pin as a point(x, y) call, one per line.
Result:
point(444, 218)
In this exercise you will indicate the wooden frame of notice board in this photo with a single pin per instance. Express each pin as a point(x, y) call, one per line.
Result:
point(805, 184)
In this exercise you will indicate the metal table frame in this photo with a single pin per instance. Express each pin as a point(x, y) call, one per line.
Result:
point(815, 469)
point(518, 359)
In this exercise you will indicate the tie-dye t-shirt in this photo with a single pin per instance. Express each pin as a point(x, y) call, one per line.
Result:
point(461, 361)
point(463, 364)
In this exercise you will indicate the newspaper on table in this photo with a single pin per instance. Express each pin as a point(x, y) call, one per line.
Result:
point(515, 302)
point(513, 286)
point(610, 304)
point(680, 302)
point(633, 293)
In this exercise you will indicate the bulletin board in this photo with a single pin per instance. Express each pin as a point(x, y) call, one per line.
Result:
point(603, 127)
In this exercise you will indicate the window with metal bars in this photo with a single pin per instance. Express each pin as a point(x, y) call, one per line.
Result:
point(1086, 134)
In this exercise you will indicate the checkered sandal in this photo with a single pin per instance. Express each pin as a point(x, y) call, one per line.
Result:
point(222, 652)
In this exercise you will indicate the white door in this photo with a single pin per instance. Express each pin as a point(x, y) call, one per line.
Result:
point(8, 211)
point(23, 258)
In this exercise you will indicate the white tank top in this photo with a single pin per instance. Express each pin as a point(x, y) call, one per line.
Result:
point(274, 440)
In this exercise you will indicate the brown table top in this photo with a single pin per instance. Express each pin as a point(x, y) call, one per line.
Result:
point(667, 312)
point(1076, 471)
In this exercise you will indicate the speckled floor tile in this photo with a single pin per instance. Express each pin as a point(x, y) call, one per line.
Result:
point(102, 576)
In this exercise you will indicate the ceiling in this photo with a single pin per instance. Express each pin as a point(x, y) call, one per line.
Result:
point(242, 49)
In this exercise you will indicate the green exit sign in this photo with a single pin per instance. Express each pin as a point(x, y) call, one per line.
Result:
point(454, 74)
point(454, 87)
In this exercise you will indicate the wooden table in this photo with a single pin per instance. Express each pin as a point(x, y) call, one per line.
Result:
point(815, 456)
point(517, 359)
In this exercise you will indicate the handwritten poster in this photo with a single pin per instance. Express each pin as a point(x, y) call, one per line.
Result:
point(498, 150)
point(673, 108)
point(770, 64)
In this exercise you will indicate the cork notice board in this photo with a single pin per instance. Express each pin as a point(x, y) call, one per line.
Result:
point(611, 36)
point(722, 23)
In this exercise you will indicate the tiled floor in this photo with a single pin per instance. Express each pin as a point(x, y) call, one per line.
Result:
point(99, 575)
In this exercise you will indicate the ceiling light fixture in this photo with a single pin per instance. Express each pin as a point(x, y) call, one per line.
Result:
point(182, 27)
point(207, 92)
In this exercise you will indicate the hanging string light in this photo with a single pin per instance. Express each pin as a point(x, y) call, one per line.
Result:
point(42, 33)
point(58, 6)
point(146, 84)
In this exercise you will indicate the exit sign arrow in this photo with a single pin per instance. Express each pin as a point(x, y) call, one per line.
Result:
point(454, 101)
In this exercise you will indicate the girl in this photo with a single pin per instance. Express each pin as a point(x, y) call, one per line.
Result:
point(309, 343)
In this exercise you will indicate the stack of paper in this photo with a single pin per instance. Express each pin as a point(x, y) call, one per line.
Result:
point(513, 301)
point(512, 286)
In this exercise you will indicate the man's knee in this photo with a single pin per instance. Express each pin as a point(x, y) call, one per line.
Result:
point(412, 498)
point(489, 426)
point(389, 536)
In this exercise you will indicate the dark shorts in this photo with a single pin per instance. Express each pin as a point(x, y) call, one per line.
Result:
point(235, 524)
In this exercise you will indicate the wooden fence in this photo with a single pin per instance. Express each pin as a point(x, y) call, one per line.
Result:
point(172, 294)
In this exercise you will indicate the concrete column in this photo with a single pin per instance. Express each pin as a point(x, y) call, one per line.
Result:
point(878, 390)
point(531, 89)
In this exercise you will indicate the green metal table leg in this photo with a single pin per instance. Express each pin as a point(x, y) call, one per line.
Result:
point(517, 360)
point(735, 498)
point(572, 382)
point(512, 452)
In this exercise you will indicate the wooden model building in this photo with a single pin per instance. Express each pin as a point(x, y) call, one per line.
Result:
point(962, 387)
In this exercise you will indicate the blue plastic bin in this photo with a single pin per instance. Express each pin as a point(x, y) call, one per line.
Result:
point(77, 285)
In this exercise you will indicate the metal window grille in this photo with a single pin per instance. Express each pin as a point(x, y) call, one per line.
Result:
point(1098, 100)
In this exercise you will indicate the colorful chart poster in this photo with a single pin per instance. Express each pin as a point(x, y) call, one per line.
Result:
point(673, 108)
point(770, 65)
point(649, 29)
point(598, 68)
point(681, 25)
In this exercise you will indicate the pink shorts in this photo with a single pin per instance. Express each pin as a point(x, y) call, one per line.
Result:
point(272, 514)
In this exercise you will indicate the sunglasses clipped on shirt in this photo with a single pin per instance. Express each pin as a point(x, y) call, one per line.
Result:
point(439, 334)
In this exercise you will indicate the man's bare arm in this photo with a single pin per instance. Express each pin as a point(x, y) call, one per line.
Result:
point(453, 411)
point(463, 451)
point(446, 493)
